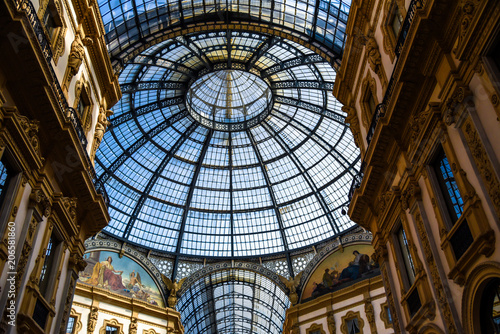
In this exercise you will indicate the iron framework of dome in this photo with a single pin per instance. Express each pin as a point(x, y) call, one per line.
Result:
point(269, 181)
point(198, 163)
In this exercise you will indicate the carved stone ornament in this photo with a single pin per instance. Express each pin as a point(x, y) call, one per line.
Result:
point(100, 128)
point(37, 197)
point(384, 200)
point(331, 323)
point(70, 206)
point(133, 326)
point(31, 128)
point(353, 121)
point(417, 123)
point(468, 11)
point(412, 192)
point(292, 285)
point(77, 262)
point(93, 316)
point(461, 95)
point(77, 53)
point(483, 163)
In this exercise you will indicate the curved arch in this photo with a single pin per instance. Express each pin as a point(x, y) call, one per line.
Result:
point(93, 245)
point(430, 329)
point(471, 298)
point(119, 59)
point(211, 268)
point(331, 248)
point(232, 299)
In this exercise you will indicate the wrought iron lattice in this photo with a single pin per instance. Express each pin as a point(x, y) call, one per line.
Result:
point(270, 184)
point(233, 301)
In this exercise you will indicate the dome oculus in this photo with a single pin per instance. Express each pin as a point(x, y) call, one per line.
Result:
point(229, 99)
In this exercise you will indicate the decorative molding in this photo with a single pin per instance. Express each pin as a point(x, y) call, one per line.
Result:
point(100, 129)
point(370, 315)
point(315, 327)
point(350, 316)
point(113, 323)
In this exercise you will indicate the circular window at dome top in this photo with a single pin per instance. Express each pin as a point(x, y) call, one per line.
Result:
point(229, 100)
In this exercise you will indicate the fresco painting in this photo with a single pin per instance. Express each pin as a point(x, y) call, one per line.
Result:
point(120, 275)
point(340, 268)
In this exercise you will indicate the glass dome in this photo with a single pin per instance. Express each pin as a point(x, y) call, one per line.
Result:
point(229, 96)
point(255, 182)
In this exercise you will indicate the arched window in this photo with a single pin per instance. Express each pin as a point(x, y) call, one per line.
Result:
point(490, 308)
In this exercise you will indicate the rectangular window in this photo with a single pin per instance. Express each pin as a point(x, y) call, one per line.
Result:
point(71, 325)
point(111, 330)
point(448, 186)
point(49, 22)
point(5, 176)
point(389, 315)
point(371, 104)
point(48, 264)
point(397, 20)
point(353, 326)
point(406, 256)
point(80, 107)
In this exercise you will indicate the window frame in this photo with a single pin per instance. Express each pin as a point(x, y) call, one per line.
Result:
point(350, 316)
point(83, 94)
point(56, 39)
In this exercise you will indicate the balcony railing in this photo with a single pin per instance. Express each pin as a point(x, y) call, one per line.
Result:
point(381, 108)
point(68, 113)
point(356, 181)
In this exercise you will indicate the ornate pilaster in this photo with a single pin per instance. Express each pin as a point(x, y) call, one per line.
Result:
point(381, 257)
point(434, 275)
point(483, 163)
point(370, 315)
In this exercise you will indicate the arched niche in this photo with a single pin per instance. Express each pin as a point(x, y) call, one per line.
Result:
point(121, 274)
point(342, 266)
point(476, 286)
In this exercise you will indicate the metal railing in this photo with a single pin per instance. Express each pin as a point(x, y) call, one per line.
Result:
point(67, 112)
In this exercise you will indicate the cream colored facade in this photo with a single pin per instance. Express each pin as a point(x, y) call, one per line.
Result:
point(50, 205)
point(94, 308)
point(438, 92)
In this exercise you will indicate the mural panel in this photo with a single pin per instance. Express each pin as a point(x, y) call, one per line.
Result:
point(341, 269)
point(120, 275)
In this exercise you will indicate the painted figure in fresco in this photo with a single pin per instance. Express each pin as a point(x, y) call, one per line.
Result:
point(356, 267)
point(330, 278)
point(134, 283)
point(105, 276)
